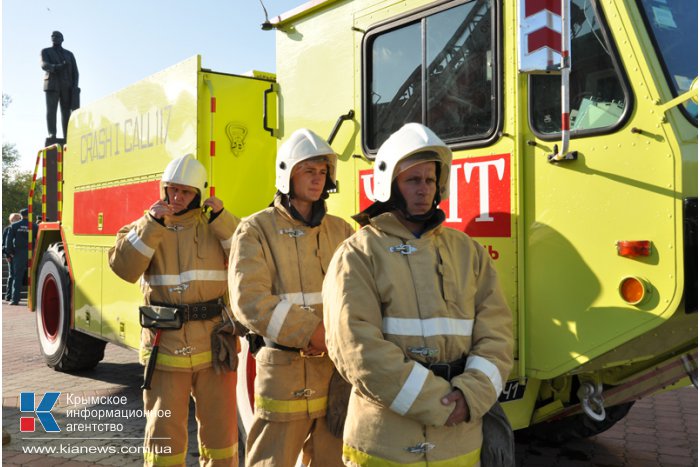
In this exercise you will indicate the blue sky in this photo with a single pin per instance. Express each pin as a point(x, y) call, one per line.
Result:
point(118, 42)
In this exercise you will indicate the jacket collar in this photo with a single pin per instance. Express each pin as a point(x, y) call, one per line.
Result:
point(391, 225)
point(187, 219)
point(280, 205)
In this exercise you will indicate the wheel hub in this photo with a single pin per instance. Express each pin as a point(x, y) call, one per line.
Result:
point(50, 308)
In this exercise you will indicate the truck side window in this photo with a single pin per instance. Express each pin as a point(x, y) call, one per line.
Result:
point(437, 69)
point(673, 29)
point(598, 95)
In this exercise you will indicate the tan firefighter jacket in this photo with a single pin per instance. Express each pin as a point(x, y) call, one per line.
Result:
point(183, 262)
point(393, 301)
point(277, 269)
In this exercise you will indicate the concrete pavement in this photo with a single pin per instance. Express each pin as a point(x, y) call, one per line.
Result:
point(660, 431)
point(114, 384)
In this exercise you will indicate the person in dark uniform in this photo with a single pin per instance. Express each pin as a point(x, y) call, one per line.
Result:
point(60, 83)
point(17, 247)
point(14, 217)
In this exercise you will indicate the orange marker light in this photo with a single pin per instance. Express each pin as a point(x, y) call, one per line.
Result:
point(633, 290)
point(634, 248)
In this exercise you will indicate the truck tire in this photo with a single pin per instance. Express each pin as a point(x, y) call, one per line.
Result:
point(576, 427)
point(64, 349)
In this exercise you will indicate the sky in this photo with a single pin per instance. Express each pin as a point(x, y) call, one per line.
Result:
point(119, 42)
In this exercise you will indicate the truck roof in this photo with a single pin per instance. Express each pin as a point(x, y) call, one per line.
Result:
point(300, 11)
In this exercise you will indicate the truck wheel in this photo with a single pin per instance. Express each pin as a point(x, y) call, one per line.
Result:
point(577, 426)
point(64, 349)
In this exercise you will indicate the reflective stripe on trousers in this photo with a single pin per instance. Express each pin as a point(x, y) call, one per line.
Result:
point(220, 453)
point(357, 457)
point(291, 406)
point(178, 361)
point(151, 458)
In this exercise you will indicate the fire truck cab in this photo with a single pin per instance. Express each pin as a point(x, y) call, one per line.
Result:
point(575, 166)
point(588, 210)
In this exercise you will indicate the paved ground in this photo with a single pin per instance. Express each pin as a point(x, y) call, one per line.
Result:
point(658, 432)
point(118, 376)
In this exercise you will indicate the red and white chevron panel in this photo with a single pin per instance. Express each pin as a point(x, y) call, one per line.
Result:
point(540, 38)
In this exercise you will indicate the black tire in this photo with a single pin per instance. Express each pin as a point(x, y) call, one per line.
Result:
point(64, 349)
point(575, 427)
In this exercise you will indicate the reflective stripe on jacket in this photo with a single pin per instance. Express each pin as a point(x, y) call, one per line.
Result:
point(277, 269)
point(391, 301)
point(183, 262)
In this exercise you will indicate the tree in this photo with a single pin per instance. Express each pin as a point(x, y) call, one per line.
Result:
point(10, 158)
point(10, 155)
point(15, 182)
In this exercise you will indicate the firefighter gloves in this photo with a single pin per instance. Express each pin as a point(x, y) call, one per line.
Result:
point(224, 348)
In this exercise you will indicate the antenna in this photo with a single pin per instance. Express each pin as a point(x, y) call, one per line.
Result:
point(267, 25)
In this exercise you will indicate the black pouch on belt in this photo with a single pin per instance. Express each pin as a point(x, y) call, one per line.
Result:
point(160, 317)
point(255, 342)
point(338, 398)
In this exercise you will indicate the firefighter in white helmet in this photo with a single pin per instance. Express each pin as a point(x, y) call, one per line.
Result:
point(415, 318)
point(180, 252)
point(278, 259)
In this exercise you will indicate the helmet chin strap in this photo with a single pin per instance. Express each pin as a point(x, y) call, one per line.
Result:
point(194, 204)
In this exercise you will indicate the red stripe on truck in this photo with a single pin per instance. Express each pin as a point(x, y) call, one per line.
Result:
point(119, 205)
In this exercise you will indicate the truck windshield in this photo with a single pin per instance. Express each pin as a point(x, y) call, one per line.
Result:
point(673, 26)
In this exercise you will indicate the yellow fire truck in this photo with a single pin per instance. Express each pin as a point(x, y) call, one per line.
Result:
point(574, 131)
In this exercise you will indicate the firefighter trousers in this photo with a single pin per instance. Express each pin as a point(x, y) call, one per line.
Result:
point(278, 444)
point(167, 405)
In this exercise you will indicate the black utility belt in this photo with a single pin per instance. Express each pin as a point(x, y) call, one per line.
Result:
point(168, 316)
point(196, 311)
point(272, 344)
point(447, 370)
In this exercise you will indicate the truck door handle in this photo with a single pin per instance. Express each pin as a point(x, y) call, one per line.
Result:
point(265, 125)
point(338, 123)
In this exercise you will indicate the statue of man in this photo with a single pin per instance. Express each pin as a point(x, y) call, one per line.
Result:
point(60, 83)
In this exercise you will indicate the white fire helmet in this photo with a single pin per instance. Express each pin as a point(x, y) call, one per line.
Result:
point(411, 139)
point(302, 145)
point(186, 170)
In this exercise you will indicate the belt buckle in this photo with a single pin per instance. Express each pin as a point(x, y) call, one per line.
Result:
point(442, 370)
point(185, 310)
point(305, 355)
point(306, 392)
point(185, 351)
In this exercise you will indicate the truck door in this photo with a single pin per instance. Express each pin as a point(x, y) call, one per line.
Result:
point(621, 187)
point(233, 111)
